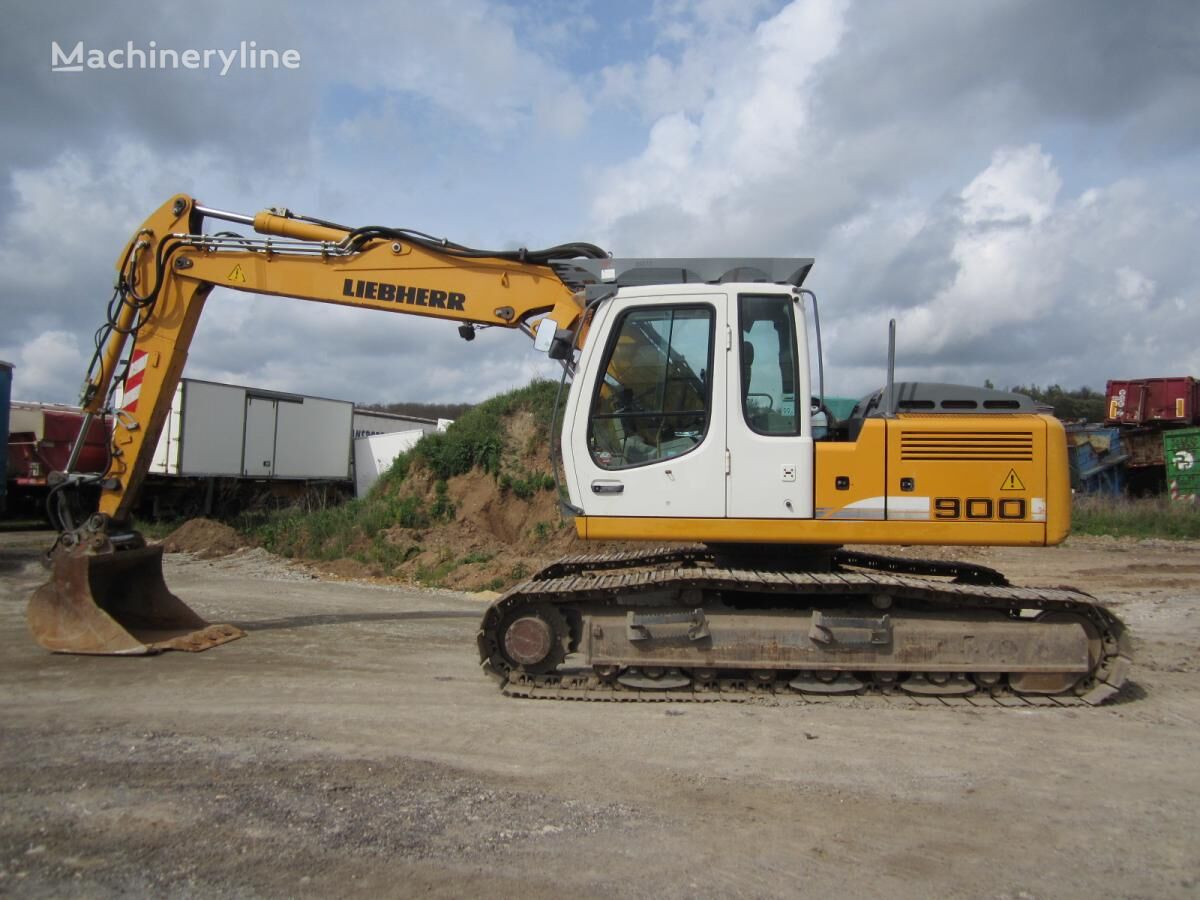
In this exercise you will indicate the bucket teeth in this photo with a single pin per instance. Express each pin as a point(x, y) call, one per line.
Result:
point(116, 603)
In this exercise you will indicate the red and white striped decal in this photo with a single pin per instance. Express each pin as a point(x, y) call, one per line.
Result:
point(133, 383)
point(1176, 495)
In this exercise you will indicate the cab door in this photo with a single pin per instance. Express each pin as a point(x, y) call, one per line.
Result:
point(648, 436)
point(769, 419)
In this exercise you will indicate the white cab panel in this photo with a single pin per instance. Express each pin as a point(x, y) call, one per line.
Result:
point(643, 455)
point(770, 474)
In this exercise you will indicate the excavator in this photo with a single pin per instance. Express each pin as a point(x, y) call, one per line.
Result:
point(689, 423)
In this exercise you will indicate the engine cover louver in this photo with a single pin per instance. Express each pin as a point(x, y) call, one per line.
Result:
point(982, 446)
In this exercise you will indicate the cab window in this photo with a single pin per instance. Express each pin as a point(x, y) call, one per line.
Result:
point(768, 372)
point(652, 402)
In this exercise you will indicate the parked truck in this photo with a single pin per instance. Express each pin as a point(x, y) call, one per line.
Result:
point(40, 439)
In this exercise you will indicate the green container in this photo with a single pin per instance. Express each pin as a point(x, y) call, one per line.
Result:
point(1181, 451)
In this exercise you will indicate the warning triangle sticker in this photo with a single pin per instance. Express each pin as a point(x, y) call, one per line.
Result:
point(1012, 482)
point(237, 275)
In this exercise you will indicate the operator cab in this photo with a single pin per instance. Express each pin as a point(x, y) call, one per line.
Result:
point(690, 396)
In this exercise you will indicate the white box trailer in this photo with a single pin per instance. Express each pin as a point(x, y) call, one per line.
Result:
point(369, 422)
point(231, 431)
point(375, 453)
point(379, 437)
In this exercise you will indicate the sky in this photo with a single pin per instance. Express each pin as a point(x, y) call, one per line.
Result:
point(1017, 183)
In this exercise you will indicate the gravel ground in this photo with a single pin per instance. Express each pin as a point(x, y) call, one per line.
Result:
point(350, 745)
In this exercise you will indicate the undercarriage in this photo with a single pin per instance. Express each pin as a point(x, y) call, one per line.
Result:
point(717, 623)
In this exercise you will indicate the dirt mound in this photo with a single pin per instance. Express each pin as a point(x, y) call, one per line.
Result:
point(503, 527)
point(205, 539)
point(495, 539)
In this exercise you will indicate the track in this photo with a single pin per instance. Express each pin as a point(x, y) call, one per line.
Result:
point(677, 595)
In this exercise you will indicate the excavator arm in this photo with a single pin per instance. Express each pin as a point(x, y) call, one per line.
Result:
point(107, 594)
point(168, 269)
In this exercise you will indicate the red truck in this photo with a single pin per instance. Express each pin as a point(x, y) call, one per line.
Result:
point(40, 438)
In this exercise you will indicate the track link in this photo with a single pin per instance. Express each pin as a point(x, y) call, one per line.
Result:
point(634, 580)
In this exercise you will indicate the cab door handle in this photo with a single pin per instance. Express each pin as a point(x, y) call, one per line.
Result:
point(607, 487)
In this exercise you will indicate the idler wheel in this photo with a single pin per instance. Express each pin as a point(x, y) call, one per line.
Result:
point(528, 640)
point(535, 640)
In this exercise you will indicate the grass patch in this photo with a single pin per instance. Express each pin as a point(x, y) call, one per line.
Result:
point(329, 533)
point(476, 440)
point(526, 484)
point(1152, 517)
point(434, 575)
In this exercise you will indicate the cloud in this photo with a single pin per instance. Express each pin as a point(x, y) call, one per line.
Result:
point(1039, 288)
point(1020, 185)
point(49, 365)
point(1002, 271)
point(465, 58)
point(987, 173)
point(57, 270)
point(58, 206)
point(1016, 182)
point(385, 122)
point(748, 130)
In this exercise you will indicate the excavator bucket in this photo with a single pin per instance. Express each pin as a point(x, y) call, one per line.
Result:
point(116, 603)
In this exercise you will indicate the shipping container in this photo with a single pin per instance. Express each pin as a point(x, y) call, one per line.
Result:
point(1181, 451)
point(5, 399)
point(1144, 446)
point(1097, 459)
point(231, 431)
point(1146, 401)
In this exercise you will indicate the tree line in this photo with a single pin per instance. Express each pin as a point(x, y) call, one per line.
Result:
point(1069, 405)
point(421, 410)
